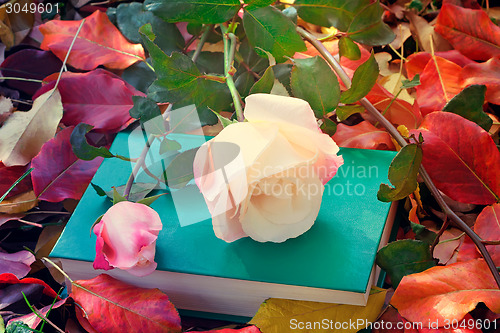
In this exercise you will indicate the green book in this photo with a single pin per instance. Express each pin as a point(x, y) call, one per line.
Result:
point(332, 262)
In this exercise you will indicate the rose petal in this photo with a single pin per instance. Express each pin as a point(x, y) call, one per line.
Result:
point(280, 109)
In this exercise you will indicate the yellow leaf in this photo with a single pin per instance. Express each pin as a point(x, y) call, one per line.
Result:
point(24, 133)
point(19, 203)
point(281, 315)
point(393, 83)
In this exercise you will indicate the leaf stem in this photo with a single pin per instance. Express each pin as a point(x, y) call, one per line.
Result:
point(20, 79)
point(15, 183)
point(203, 39)
point(229, 50)
point(402, 142)
point(67, 54)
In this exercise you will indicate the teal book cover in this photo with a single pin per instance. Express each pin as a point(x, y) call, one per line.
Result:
point(200, 272)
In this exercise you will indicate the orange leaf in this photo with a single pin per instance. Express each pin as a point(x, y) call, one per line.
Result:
point(487, 73)
point(470, 31)
point(114, 306)
point(446, 293)
point(417, 61)
point(400, 112)
point(98, 43)
point(363, 135)
point(439, 84)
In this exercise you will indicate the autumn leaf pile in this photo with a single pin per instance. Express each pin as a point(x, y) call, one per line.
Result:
point(431, 68)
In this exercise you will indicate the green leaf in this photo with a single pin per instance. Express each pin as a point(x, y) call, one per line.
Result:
point(406, 84)
point(360, 19)
point(195, 11)
point(82, 149)
point(271, 30)
point(363, 81)
point(259, 3)
point(19, 327)
point(469, 104)
point(139, 75)
point(349, 49)
point(98, 190)
point(283, 73)
point(402, 174)
point(180, 171)
point(244, 83)
point(149, 200)
point(345, 111)
point(247, 54)
point(131, 16)
point(117, 197)
point(138, 191)
point(148, 113)
point(368, 28)
point(314, 81)
point(210, 62)
point(422, 233)
point(225, 121)
point(179, 80)
point(169, 145)
point(265, 83)
point(329, 127)
point(404, 257)
point(328, 13)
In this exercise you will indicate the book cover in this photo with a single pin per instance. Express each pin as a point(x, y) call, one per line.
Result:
point(337, 254)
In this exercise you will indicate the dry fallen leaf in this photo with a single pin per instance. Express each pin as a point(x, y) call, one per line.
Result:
point(19, 204)
point(282, 315)
point(24, 133)
point(424, 33)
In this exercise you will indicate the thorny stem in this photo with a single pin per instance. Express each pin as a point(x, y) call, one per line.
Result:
point(229, 51)
point(141, 159)
point(203, 39)
point(402, 142)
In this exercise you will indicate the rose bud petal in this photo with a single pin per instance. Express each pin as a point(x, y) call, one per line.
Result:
point(126, 238)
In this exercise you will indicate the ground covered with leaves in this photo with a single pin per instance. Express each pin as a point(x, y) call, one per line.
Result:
point(419, 77)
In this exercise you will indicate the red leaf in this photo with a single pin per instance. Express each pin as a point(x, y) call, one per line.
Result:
point(363, 135)
point(470, 31)
point(446, 293)
point(8, 278)
point(438, 85)
point(468, 250)
point(462, 159)
point(131, 309)
point(487, 227)
point(400, 112)
point(8, 175)
point(40, 64)
point(98, 98)
point(58, 174)
point(98, 43)
point(417, 61)
point(487, 73)
point(32, 320)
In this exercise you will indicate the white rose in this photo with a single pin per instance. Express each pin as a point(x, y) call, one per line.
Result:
point(264, 178)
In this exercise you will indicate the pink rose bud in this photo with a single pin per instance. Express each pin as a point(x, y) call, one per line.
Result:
point(126, 238)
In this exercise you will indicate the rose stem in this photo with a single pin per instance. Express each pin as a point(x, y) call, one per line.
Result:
point(142, 158)
point(229, 51)
point(206, 31)
point(402, 142)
